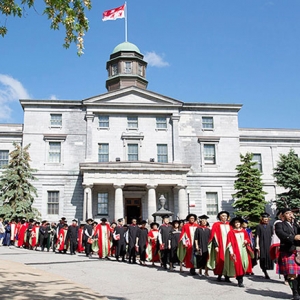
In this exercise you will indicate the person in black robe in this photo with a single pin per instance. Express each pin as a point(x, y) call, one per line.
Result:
point(43, 236)
point(72, 236)
point(173, 243)
point(142, 242)
point(163, 240)
point(87, 234)
point(119, 238)
point(263, 235)
point(201, 239)
point(132, 232)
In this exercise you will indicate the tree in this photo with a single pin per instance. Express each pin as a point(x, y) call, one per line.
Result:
point(68, 13)
point(250, 197)
point(16, 191)
point(287, 175)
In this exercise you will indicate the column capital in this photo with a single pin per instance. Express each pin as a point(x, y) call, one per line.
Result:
point(151, 186)
point(87, 186)
point(175, 117)
point(118, 186)
point(180, 187)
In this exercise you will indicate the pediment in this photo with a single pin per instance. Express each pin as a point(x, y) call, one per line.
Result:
point(132, 96)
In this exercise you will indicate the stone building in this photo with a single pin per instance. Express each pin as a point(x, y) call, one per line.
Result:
point(115, 154)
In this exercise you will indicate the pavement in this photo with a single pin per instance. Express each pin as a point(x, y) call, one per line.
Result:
point(26, 274)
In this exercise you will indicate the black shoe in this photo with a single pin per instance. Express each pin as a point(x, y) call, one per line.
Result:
point(219, 278)
point(192, 271)
point(227, 279)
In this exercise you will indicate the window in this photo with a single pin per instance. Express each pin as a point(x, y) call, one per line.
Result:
point(132, 122)
point(54, 152)
point(103, 121)
point(102, 203)
point(161, 122)
point(3, 158)
point(56, 120)
point(114, 69)
point(257, 159)
point(212, 203)
point(103, 153)
point(53, 203)
point(140, 71)
point(128, 67)
point(207, 123)
point(133, 154)
point(162, 153)
point(209, 154)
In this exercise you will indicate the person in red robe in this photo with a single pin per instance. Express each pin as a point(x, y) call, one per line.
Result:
point(237, 257)
point(186, 242)
point(62, 244)
point(152, 237)
point(34, 236)
point(80, 246)
point(21, 233)
point(217, 245)
point(102, 233)
point(13, 232)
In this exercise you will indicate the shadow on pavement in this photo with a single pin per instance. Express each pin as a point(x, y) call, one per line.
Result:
point(269, 293)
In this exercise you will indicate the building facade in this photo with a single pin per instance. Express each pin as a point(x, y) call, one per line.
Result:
point(115, 154)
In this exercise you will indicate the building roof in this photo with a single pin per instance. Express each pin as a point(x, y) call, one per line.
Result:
point(126, 46)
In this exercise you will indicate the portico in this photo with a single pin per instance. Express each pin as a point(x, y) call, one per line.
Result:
point(132, 189)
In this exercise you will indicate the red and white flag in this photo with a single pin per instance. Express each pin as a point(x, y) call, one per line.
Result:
point(115, 13)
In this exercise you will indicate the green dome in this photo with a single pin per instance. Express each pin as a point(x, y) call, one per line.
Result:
point(126, 46)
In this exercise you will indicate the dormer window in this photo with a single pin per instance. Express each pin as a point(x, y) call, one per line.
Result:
point(128, 67)
point(55, 120)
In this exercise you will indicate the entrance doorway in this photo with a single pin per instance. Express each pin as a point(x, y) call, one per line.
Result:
point(133, 210)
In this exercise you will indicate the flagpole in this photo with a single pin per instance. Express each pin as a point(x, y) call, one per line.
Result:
point(125, 21)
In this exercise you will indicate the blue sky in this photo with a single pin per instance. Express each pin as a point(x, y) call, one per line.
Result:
point(216, 51)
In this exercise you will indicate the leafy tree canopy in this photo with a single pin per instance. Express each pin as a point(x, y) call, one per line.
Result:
point(67, 13)
point(16, 191)
point(249, 197)
point(287, 175)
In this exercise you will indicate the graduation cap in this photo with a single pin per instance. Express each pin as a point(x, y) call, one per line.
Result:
point(191, 215)
point(63, 218)
point(205, 217)
point(176, 222)
point(74, 220)
point(103, 220)
point(266, 215)
point(223, 212)
point(240, 219)
point(283, 211)
point(153, 224)
point(89, 220)
point(165, 216)
point(143, 222)
point(43, 222)
point(120, 220)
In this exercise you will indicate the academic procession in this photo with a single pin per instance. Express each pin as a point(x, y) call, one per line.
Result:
point(227, 250)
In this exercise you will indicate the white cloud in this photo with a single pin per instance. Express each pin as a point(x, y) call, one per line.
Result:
point(11, 90)
point(155, 60)
point(53, 97)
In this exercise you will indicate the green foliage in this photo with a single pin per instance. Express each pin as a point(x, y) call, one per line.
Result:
point(249, 197)
point(67, 13)
point(287, 175)
point(16, 191)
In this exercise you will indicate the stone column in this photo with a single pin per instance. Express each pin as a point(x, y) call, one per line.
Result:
point(151, 202)
point(87, 209)
point(119, 207)
point(182, 202)
point(175, 138)
point(89, 136)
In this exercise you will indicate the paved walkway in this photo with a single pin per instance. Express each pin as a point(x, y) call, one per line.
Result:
point(39, 275)
point(21, 282)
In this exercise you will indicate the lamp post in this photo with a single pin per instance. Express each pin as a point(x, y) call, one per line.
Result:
point(188, 194)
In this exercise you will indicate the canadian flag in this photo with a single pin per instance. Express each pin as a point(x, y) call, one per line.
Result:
point(115, 13)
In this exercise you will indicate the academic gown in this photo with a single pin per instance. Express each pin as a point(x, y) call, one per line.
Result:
point(119, 239)
point(202, 235)
point(218, 238)
point(153, 255)
point(62, 244)
point(80, 246)
point(264, 233)
point(142, 234)
point(186, 242)
point(103, 232)
point(132, 232)
point(238, 265)
point(174, 240)
point(21, 234)
point(34, 236)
